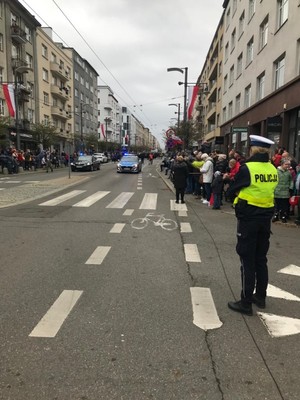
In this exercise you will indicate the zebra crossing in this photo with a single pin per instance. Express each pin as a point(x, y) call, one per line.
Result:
point(205, 314)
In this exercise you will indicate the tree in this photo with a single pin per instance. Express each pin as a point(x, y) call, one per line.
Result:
point(46, 135)
point(4, 124)
point(188, 132)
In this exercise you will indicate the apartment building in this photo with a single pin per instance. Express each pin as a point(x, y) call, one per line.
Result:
point(261, 73)
point(17, 69)
point(55, 84)
point(108, 115)
point(84, 96)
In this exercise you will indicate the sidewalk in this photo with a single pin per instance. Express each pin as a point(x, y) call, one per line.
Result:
point(31, 191)
point(227, 208)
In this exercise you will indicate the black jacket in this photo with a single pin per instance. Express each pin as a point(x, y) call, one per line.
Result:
point(180, 174)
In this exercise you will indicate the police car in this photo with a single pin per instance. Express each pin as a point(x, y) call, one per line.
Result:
point(129, 163)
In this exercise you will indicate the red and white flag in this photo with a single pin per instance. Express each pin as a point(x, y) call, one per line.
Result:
point(9, 94)
point(102, 130)
point(193, 92)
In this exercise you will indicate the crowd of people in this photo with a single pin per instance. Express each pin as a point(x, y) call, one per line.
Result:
point(209, 177)
point(28, 160)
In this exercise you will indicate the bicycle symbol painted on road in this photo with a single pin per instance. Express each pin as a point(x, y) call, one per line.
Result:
point(158, 220)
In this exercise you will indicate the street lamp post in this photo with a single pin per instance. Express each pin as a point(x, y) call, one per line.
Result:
point(106, 120)
point(185, 71)
point(178, 112)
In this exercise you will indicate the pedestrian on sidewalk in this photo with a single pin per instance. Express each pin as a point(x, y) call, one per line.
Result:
point(180, 173)
point(254, 186)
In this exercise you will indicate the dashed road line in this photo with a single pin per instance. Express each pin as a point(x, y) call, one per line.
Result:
point(117, 228)
point(191, 253)
point(98, 255)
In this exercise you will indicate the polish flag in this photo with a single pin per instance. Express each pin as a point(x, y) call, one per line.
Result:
point(8, 90)
point(102, 130)
point(193, 92)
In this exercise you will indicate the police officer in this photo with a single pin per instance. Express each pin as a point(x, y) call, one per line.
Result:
point(254, 187)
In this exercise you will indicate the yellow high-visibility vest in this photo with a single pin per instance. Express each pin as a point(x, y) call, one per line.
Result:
point(264, 179)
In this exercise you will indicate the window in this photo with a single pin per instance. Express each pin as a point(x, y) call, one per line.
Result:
point(239, 66)
point(225, 84)
point(233, 39)
point(76, 92)
point(1, 74)
point(226, 51)
point(46, 98)
point(2, 106)
point(250, 51)
point(228, 18)
point(28, 34)
point(46, 120)
point(247, 99)
point(224, 116)
point(76, 76)
point(279, 66)
point(238, 104)
point(53, 57)
point(29, 60)
point(231, 76)
point(44, 51)
point(251, 8)
point(45, 75)
point(220, 68)
point(30, 114)
point(282, 11)
point(230, 110)
point(234, 6)
point(261, 86)
point(263, 33)
point(242, 24)
point(1, 42)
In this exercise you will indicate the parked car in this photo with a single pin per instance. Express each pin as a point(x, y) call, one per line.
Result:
point(101, 157)
point(129, 163)
point(85, 163)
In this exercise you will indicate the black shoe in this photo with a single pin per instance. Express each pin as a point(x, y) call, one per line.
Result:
point(297, 222)
point(177, 201)
point(182, 202)
point(258, 301)
point(238, 306)
point(283, 219)
point(275, 218)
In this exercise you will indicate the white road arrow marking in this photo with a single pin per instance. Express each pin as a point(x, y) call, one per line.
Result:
point(290, 270)
point(274, 291)
point(204, 310)
point(278, 325)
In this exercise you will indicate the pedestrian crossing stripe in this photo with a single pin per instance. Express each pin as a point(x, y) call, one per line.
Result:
point(290, 270)
point(121, 200)
point(91, 199)
point(274, 291)
point(61, 199)
point(278, 325)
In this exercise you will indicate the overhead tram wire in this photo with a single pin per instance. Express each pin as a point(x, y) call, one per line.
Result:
point(107, 69)
point(63, 41)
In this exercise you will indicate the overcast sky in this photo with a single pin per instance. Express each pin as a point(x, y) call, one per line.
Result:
point(131, 43)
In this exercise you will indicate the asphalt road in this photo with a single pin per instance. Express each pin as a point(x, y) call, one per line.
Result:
point(93, 308)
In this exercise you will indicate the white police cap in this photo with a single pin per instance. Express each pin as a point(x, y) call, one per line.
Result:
point(256, 140)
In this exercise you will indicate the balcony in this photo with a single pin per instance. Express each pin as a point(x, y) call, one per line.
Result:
point(17, 34)
point(57, 70)
point(60, 113)
point(107, 106)
point(62, 93)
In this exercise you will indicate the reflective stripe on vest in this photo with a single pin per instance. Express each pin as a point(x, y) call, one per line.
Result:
point(263, 181)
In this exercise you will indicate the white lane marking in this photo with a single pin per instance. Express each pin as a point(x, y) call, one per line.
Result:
point(149, 202)
point(274, 291)
point(12, 181)
point(278, 325)
point(117, 228)
point(50, 324)
point(182, 213)
point(2, 189)
point(185, 227)
point(128, 212)
point(98, 255)
point(4, 179)
point(91, 199)
point(204, 310)
point(139, 183)
point(177, 207)
point(191, 253)
point(120, 200)
point(60, 199)
point(32, 181)
point(290, 270)
point(139, 188)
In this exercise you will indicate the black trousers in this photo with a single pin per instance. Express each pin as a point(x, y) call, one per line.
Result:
point(180, 192)
point(253, 241)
